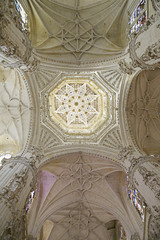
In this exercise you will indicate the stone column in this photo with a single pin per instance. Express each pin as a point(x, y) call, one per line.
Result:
point(18, 178)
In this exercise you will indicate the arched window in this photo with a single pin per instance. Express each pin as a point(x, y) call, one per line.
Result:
point(122, 234)
point(31, 198)
point(138, 17)
point(21, 14)
point(136, 201)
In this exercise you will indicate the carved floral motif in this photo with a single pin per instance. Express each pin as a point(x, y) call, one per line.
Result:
point(151, 180)
point(126, 67)
point(152, 52)
point(126, 153)
point(10, 193)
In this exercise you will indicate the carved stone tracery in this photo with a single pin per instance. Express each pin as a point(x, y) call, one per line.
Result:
point(151, 180)
point(78, 104)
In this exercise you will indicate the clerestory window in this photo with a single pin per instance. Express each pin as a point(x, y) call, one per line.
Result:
point(138, 17)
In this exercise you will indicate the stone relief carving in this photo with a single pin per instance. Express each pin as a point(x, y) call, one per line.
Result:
point(15, 229)
point(35, 154)
point(156, 164)
point(10, 193)
point(154, 227)
point(23, 57)
point(32, 159)
point(133, 45)
point(126, 67)
point(6, 46)
point(135, 236)
point(126, 153)
point(151, 180)
point(152, 52)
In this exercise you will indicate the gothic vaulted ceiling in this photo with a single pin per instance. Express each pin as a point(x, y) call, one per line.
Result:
point(143, 111)
point(79, 194)
point(83, 121)
point(77, 31)
point(14, 111)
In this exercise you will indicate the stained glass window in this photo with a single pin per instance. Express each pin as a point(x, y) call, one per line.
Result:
point(138, 17)
point(123, 234)
point(31, 198)
point(22, 14)
point(133, 196)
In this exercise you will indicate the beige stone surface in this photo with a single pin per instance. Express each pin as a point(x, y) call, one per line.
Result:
point(79, 114)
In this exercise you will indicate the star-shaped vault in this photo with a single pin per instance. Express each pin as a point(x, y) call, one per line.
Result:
point(78, 105)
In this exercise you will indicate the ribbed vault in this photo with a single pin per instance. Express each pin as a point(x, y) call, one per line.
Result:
point(71, 31)
point(143, 111)
point(80, 195)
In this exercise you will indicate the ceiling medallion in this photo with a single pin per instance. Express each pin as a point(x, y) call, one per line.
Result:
point(78, 106)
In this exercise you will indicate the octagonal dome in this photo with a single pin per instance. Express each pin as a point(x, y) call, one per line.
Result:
point(78, 107)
